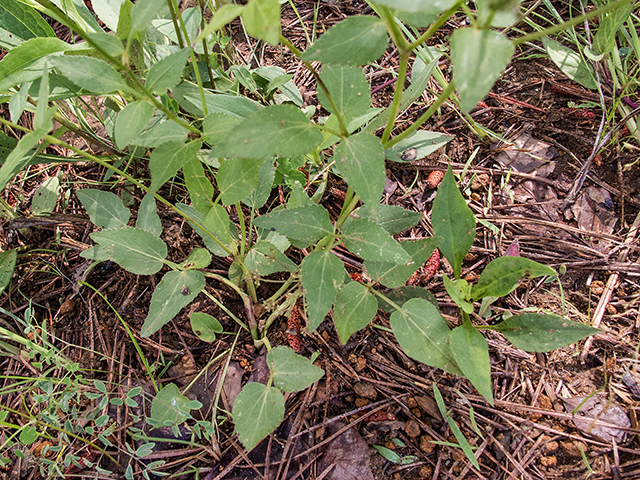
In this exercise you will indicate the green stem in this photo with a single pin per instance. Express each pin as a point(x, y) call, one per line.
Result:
point(225, 309)
point(246, 300)
point(175, 23)
point(283, 307)
point(434, 27)
point(397, 95)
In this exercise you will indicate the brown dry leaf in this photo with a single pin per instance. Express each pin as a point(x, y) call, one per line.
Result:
point(348, 453)
point(598, 407)
point(232, 385)
point(593, 211)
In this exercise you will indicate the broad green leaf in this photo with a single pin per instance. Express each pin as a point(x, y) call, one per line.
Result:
point(348, 87)
point(262, 20)
point(370, 241)
point(22, 154)
point(143, 12)
point(609, 24)
point(275, 130)
point(23, 21)
point(24, 63)
point(216, 219)
point(40, 120)
point(108, 11)
point(322, 274)
point(502, 275)
point(570, 63)
point(45, 197)
point(535, 332)
point(360, 158)
point(18, 102)
point(191, 17)
point(306, 223)
point(502, 13)
point(7, 265)
point(257, 411)
point(419, 6)
point(199, 187)
point(237, 178)
point(358, 40)
point(403, 294)
point(131, 121)
point(105, 209)
point(198, 258)
point(92, 74)
point(188, 96)
point(395, 275)
point(168, 158)
point(423, 334)
point(111, 44)
point(332, 122)
point(148, 218)
point(478, 58)
point(160, 133)
point(169, 406)
point(79, 14)
point(423, 141)
point(292, 372)
point(135, 250)
point(392, 218)
point(97, 253)
point(223, 15)
point(173, 293)
point(471, 353)
point(261, 194)
point(211, 245)
point(264, 258)
point(166, 73)
point(453, 220)
point(28, 435)
point(217, 126)
point(205, 326)
point(355, 307)
point(459, 291)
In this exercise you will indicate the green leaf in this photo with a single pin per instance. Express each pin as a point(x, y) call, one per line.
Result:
point(7, 265)
point(265, 258)
point(262, 20)
point(609, 24)
point(109, 12)
point(205, 326)
point(216, 219)
point(292, 372)
point(92, 74)
point(168, 158)
point(143, 12)
point(23, 21)
point(40, 119)
point(459, 291)
point(419, 6)
point(388, 454)
point(394, 275)
point(478, 57)
point(45, 197)
point(348, 87)
point(322, 274)
point(502, 275)
point(211, 245)
point(403, 294)
point(423, 141)
point(360, 158)
point(571, 63)
point(131, 121)
point(392, 218)
point(535, 332)
point(424, 335)
point(160, 133)
point(199, 187)
point(188, 96)
point(370, 241)
point(453, 220)
point(148, 218)
point(237, 178)
point(28, 435)
point(358, 40)
point(111, 44)
point(167, 72)
point(275, 130)
point(24, 62)
point(355, 307)
point(135, 250)
point(502, 13)
point(471, 353)
point(257, 411)
point(173, 293)
point(198, 258)
point(261, 194)
point(105, 209)
point(169, 406)
point(306, 223)
point(223, 15)
point(217, 126)
point(79, 14)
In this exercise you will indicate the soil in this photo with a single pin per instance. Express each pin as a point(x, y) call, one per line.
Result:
point(528, 433)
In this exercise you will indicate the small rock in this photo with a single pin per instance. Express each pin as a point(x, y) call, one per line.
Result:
point(361, 402)
point(425, 444)
point(549, 461)
point(412, 428)
point(426, 471)
point(411, 402)
point(572, 448)
point(417, 412)
point(480, 182)
point(365, 390)
point(551, 446)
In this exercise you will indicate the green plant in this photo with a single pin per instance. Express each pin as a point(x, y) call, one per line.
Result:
point(163, 92)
